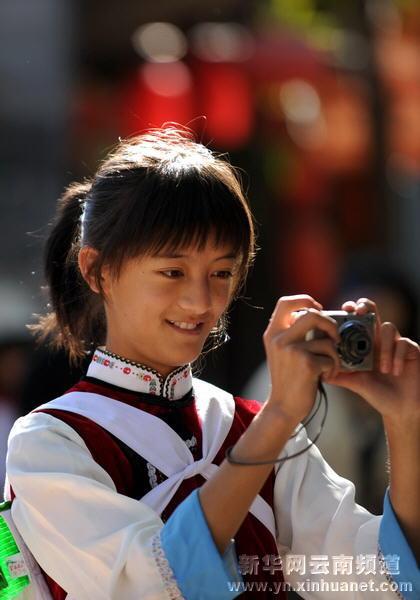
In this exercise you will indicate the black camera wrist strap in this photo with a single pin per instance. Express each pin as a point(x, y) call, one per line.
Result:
point(322, 395)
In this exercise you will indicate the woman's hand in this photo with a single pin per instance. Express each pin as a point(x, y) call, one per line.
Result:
point(296, 364)
point(393, 389)
point(393, 386)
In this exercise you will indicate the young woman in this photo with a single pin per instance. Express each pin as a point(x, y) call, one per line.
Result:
point(120, 488)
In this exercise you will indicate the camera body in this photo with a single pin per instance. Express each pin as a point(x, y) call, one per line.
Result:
point(357, 337)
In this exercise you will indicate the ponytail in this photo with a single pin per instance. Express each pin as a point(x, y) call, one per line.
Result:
point(76, 321)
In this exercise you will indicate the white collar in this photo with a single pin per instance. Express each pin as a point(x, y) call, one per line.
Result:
point(136, 377)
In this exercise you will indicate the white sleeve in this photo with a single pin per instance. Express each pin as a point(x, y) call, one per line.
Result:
point(325, 538)
point(93, 541)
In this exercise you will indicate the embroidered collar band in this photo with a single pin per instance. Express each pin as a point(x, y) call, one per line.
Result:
point(139, 378)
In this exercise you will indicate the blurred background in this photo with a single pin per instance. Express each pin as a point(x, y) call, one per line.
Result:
point(317, 102)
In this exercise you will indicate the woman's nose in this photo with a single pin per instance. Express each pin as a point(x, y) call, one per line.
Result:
point(196, 297)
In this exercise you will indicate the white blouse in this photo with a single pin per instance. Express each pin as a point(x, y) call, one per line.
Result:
point(97, 543)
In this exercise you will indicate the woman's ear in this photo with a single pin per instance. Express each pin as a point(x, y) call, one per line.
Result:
point(86, 259)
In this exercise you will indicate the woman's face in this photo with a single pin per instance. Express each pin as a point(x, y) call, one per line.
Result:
point(162, 308)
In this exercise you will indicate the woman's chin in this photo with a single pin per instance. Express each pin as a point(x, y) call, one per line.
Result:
point(187, 357)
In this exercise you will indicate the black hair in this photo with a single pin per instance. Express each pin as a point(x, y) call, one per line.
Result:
point(160, 190)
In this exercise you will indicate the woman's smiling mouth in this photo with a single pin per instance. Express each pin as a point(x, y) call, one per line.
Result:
point(185, 327)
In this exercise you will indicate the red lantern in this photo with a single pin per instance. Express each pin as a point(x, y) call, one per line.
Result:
point(226, 101)
point(159, 92)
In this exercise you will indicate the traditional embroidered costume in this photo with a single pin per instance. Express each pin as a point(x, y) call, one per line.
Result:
point(104, 484)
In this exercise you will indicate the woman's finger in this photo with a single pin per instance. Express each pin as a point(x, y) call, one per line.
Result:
point(286, 305)
point(361, 307)
point(349, 306)
point(315, 358)
point(404, 349)
point(325, 347)
point(364, 306)
point(310, 320)
point(388, 335)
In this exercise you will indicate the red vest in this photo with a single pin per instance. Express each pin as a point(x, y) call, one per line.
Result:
point(131, 475)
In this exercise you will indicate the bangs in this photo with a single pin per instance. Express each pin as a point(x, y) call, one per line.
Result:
point(186, 211)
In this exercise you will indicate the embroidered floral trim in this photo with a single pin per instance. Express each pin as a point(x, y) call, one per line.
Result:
point(174, 386)
point(103, 361)
point(151, 471)
point(172, 379)
point(388, 577)
point(152, 381)
point(130, 362)
point(165, 570)
point(191, 443)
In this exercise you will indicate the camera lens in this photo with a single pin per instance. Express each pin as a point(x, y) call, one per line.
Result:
point(355, 343)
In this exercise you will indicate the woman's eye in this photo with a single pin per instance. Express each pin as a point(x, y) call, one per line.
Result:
point(172, 273)
point(176, 273)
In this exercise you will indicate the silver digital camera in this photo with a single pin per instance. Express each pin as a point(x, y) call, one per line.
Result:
point(357, 336)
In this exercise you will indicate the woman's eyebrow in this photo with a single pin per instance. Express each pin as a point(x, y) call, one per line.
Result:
point(175, 255)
